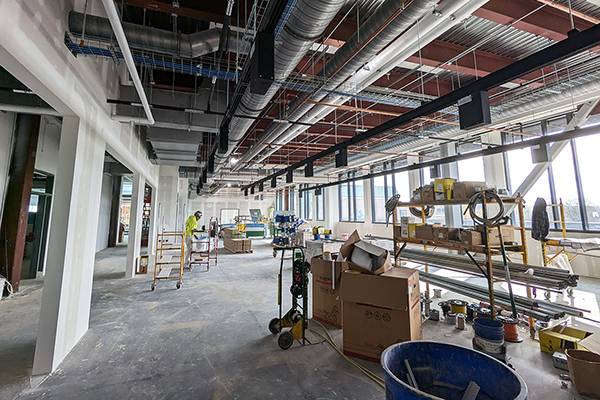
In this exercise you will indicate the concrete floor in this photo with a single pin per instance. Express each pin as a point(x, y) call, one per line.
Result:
point(208, 340)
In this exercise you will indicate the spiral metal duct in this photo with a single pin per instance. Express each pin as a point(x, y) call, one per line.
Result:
point(151, 39)
point(306, 23)
point(394, 17)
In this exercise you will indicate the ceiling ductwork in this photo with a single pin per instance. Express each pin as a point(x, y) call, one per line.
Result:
point(353, 55)
point(400, 39)
point(307, 21)
point(151, 39)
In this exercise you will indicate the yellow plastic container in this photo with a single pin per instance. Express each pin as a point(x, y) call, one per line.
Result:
point(444, 185)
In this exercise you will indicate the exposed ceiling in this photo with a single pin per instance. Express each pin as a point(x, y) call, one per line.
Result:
point(191, 96)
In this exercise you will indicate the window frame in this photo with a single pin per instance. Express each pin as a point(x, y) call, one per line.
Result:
point(555, 226)
point(351, 193)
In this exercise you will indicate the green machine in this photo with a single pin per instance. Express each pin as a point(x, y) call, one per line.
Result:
point(292, 326)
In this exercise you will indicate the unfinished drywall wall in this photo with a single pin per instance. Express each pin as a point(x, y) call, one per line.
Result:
point(46, 158)
point(7, 124)
point(104, 216)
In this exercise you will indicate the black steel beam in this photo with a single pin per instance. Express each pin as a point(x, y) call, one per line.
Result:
point(575, 43)
point(559, 137)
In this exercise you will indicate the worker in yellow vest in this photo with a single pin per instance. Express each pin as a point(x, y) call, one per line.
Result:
point(191, 226)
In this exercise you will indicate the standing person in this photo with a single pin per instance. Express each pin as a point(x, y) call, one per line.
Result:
point(191, 226)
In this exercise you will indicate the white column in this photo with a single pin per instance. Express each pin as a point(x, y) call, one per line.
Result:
point(66, 297)
point(414, 176)
point(135, 224)
point(493, 166)
point(154, 213)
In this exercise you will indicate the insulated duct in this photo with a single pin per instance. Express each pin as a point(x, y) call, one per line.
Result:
point(306, 23)
point(151, 39)
point(386, 24)
point(370, 68)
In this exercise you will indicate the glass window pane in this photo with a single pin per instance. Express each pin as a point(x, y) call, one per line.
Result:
point(519, 166)
point(359, 213)
point(565, 185)
point(309, 204)
point(378, 199)
point(587, 155)
point(344, 215)
point(471, 169)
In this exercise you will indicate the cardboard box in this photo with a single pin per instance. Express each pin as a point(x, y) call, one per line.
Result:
point(412, 229)
point(231, 233)
point(470, 237)
point(237, 245)
point(584, 370)
point(562, 336)
point(326, 284)
point(508, 235)
point(424, 232)
point(397, 288)
point(365, 257)
point(453, 234)
point(246, 245)
point(464, 190)
point(380, 310)
point(427, 194)
point(440, 233)
point(404, 228)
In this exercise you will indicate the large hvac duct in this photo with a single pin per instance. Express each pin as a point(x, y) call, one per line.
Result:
point(306, 23)
point(151, 39)
point(386, 24)
point(370, 68)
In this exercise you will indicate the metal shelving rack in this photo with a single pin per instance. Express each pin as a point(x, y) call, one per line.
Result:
point(489, 251)
point(170, 257)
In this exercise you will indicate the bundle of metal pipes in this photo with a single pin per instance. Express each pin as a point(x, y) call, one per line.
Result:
point(540, 277)
point(538, 309)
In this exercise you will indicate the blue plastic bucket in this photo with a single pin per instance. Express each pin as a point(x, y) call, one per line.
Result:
point(490, 329)
point(443, 371)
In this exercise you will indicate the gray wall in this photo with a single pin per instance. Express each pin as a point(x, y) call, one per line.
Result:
point(104, 220)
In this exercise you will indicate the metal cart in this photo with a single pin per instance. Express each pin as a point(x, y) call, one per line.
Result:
point(292, 326)
point(170, 257)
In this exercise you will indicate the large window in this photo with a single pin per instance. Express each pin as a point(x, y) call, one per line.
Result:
point(320, 211)
point(570, 179)
point(587, 158)
point(279, 200)
point(384, 187)
point(292, 199)
point(352, 199)
point(470, 170)
point(305, 203)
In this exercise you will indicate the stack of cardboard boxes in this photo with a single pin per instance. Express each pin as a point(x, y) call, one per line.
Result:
point(374, 303)
point(235, 241)
point(440, 233)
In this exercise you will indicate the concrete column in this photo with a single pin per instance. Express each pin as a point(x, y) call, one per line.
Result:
point(135, 224)
point(414, 176)
point(66, 297)
point(18, 193)
point(450, 170)
point(493, 166)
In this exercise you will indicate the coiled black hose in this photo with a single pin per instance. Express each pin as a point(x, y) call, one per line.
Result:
point(490, 196)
